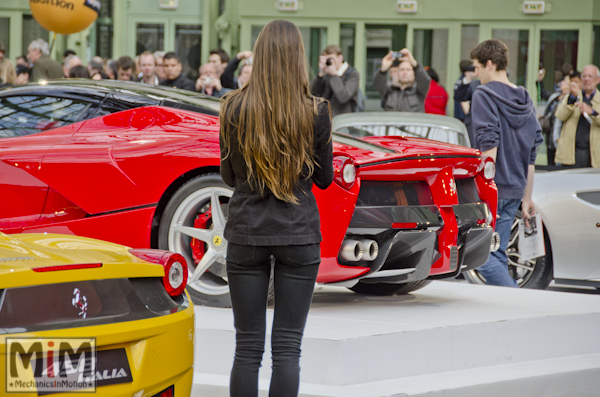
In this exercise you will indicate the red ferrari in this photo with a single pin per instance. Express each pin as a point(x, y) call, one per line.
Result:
point(139, 166)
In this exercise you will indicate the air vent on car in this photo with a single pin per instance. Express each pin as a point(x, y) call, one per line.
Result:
point(391, 194)
point(590, 197)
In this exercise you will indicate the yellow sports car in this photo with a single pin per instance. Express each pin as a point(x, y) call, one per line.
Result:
point(81, 316)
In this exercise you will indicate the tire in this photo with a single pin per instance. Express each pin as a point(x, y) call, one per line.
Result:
point(384, 289)
point(204, 246)
point(535, 274)
point(179, 231)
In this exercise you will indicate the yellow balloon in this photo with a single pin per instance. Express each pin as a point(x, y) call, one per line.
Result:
point(65, 16)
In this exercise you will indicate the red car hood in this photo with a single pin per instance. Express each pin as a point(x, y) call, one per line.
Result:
point(377, 149)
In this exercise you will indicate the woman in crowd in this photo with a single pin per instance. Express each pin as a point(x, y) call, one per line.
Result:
point(8, 74)
point(275, 142)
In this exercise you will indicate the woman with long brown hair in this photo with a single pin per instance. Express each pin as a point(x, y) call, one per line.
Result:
point(275, 142)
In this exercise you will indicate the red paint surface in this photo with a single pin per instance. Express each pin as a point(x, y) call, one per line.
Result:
point(66, 180)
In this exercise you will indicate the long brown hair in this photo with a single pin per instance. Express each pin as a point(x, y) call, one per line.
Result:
point(274, 113)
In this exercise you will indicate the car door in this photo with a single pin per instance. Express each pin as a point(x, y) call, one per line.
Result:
point(29, 126)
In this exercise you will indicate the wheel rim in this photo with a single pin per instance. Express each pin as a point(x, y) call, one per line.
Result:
point(520, 272)
point(206, 276)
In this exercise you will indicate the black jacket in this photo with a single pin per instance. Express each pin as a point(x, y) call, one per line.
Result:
point(180, 82)
point(265, 220)
point(228, 80)
point(342, 92)
point(410, 99)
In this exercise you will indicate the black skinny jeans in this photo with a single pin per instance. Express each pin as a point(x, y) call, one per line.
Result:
point(248, 272)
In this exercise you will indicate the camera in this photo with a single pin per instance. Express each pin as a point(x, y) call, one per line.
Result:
point(398, 55)
point(329, 62)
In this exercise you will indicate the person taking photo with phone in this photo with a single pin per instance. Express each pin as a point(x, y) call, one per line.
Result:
point(408, 85)
point(579, 142)
point(275, 143)
point(337, 81)
point(209, 83)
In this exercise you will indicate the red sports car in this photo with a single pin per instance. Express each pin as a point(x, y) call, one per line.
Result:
point(138, 165)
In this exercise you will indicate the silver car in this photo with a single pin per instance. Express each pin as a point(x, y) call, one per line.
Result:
point(421, 125)
point(569, 202)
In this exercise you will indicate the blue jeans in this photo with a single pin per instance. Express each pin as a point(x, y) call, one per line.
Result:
point(248, 272)
point(495, 270)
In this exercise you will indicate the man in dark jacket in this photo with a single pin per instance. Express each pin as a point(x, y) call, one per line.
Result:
point(463, 93)
point(44, 67)
point(506, 129)
point(336, 81)
point(409, 83)
point(173, 71)
point(228, 79)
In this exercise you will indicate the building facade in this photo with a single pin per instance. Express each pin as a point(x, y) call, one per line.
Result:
point(539, 34)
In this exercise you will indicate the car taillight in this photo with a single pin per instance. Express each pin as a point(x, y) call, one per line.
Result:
point(344, 171)
point(66, 267)
point(169, 392)
point(176, 271)
point(489, 169)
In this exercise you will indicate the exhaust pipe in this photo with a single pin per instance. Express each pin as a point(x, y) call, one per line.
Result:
point(370, 250)
point(495, 242)
point(352, 250)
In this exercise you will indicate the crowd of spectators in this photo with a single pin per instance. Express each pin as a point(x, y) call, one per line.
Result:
point(404, 84)
point(159, 68)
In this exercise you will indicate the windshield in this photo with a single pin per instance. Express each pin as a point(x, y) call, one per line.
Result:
point(420, 131)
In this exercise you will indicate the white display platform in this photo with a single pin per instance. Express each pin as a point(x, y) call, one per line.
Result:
point(449, 339)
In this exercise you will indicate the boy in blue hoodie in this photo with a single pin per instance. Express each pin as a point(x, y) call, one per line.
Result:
point(505, 128)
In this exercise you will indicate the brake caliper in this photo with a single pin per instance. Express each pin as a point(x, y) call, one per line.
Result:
point(202, 221)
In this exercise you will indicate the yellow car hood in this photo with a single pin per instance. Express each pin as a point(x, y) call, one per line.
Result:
point(20, 253)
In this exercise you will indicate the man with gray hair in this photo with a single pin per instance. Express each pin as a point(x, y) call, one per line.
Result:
point(579, 141)
point(96, 68)
point(70, 62)
point(44, 67)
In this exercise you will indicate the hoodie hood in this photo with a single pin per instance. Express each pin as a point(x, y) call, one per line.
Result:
point(514, 103)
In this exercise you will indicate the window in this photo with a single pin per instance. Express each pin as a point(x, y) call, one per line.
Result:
point(424, 43)
point(315, 41)
point(104, 30)
point(31, 31)
point(429, 132)
point(27, 115)
point(149, 37)
point(470, 39)
point(517, 42)
point(188, 44)
point(381, 39)
point(347, 41)
point(5, 34)
point(557, 47)
point(596, 45)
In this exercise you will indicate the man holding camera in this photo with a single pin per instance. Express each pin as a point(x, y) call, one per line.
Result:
point(336, 81)
point(209, 83)
point(408, 85)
